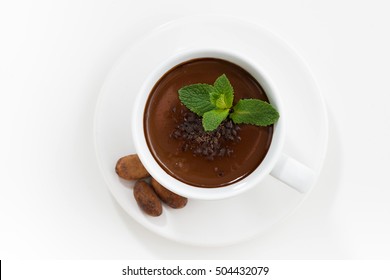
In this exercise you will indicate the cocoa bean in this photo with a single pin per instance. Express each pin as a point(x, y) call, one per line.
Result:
point(170, 198)
point(147, 199)
point(131, 168)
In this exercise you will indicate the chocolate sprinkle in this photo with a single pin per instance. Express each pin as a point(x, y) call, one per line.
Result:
point(212, 144)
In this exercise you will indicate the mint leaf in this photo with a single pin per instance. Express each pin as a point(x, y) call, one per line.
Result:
point(218, 100)
point(223, 94)
point(196, 97)
point(212, 119)
point(254, 111)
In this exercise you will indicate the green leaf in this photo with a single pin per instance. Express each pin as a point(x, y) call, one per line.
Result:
point(212, 119)
point(196, 97)
point(218, 100)
point(254, 111)
point(223, 95)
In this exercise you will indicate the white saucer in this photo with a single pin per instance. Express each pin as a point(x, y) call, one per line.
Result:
point(213, 223)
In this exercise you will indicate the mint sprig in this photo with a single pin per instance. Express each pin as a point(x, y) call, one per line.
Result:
point(214, 103)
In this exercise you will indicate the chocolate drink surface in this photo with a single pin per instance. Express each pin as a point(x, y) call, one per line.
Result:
point(174, 136)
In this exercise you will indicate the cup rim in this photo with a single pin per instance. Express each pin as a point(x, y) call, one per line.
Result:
point(175, 185)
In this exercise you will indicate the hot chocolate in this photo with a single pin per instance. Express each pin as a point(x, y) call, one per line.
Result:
point(179, 144)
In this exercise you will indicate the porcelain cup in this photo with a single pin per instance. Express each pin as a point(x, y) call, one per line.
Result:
point(275, 163)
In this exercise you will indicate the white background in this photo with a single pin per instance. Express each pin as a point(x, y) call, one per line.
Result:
point(54, 56)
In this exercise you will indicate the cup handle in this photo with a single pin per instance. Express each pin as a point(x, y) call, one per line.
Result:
point(294, 174)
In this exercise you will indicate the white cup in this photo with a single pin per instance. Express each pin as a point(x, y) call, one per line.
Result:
point(279, 165)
